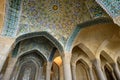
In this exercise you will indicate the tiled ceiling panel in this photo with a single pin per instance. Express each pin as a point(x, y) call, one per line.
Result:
point(58, 17)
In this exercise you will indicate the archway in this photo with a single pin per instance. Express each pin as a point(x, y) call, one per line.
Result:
point(29, 67)
point(41, 42)
point(57, 68)
point(106, 61)
point(81, 65)
point(55, 72)
point(108, 73)
point(81, 71)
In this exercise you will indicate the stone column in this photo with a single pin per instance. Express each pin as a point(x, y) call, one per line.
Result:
point(61, 73)
point(10, 69)
point(5, 48)
point(4, 51)
point(116, 70)
point(73, 71)
point(66, 66)
point(99, 72)
point(48, 70)
point(91, 73)
point(2, 61)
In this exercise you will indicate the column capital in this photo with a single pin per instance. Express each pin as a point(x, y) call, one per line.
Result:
point(73, 64)
point(48, 65)
point(67, 58)
point(96, 62)
point(67, 55)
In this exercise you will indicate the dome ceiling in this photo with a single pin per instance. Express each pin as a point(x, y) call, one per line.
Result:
point(58, 17)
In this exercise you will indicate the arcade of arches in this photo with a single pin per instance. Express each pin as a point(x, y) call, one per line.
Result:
point(59, 40)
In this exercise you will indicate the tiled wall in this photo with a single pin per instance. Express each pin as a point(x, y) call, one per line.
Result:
point(58, 17)
point(112, 7)
point(39, 43)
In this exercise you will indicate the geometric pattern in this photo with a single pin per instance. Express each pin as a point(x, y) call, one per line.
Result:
point(39, 43)
point(112, 7)
point(95, 10)
point(58, 17)
point(11, 18)
point(55, 16)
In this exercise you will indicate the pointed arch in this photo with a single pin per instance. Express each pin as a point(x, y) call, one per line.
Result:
point(88, 52)
point(107, 56)
point(45, 34)
point(76, 31)
point(84, 61)
point(36, 52)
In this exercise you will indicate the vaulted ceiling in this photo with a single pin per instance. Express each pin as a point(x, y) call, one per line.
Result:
point(58, 17)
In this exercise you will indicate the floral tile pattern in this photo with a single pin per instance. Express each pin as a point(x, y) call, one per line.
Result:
point(112, 7)
point(58, 17)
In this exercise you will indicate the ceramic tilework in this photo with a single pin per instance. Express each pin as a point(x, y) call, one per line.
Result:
point(95, 10)
point(111, 6)
point(58, 17)
point(41, 16)
point(39, 34)
point(41, 44)
point(11, 18)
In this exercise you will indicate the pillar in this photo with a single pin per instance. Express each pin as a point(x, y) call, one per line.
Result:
point(61, 72)
point(5, 48)
point(48, 70)
point(74, 71)
point(66, 66)
point(116, 70)
point(98, 70)
point(91, 73)
point(10, 69)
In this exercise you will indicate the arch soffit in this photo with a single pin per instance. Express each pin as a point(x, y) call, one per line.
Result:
point(87, 51)
point(104, 43)
point(107, 56)
point(114, 54)
point(69, 45)
point(45, 34)
point(103, 47)
point(84, 60)
point(86, 63)
point(29, 52)
point(108, 66)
